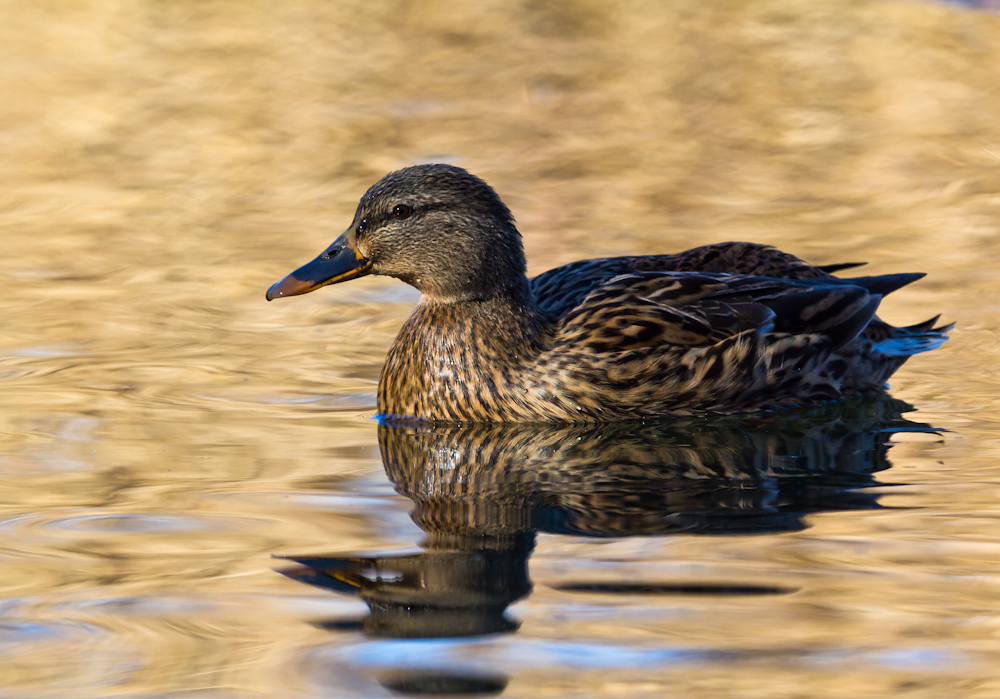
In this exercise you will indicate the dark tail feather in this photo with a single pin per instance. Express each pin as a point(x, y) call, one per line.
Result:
point(928, 326)
point(886, 283)
point(830, 269)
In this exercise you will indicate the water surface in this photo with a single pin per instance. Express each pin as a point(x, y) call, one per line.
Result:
point(165, 433)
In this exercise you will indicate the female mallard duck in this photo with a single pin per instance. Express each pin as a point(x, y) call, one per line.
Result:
point(717, 329)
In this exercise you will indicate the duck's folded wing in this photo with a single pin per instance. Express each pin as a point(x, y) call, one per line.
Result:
point(560, 289)
point(637, 322)
point(690, 309)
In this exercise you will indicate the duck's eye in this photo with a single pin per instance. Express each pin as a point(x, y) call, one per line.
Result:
point(362, 226)
point(402, 211)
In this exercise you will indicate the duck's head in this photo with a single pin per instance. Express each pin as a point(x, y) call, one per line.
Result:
point(436, 227)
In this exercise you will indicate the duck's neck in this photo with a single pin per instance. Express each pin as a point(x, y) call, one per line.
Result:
point(508, 322)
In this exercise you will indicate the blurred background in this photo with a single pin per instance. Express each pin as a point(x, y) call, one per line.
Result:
point(165, 431)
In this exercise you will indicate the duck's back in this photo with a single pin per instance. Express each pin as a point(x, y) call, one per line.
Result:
point(559, 290)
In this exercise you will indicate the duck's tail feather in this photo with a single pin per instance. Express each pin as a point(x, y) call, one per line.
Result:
point(886, 283)
point(913, 339)
point(830, 269)
point(928, 325)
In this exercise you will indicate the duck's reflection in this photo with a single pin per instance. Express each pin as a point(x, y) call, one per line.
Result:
point(482, 492)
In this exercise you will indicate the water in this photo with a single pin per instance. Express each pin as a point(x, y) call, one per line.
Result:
point(172, 444)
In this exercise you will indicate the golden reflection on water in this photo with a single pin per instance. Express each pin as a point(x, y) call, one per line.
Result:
point(165, 431)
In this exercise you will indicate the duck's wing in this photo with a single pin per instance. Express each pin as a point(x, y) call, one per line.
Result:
point(559, 290)
point(650, 309)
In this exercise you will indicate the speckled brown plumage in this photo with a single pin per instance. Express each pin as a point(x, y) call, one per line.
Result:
point(717, 329)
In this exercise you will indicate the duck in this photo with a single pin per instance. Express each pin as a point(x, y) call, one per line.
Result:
point(723, 328)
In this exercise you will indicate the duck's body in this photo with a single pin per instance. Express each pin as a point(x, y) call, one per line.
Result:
point(635, 337)
point(721, 328)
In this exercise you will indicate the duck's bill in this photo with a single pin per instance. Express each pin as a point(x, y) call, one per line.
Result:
point(338, 263)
